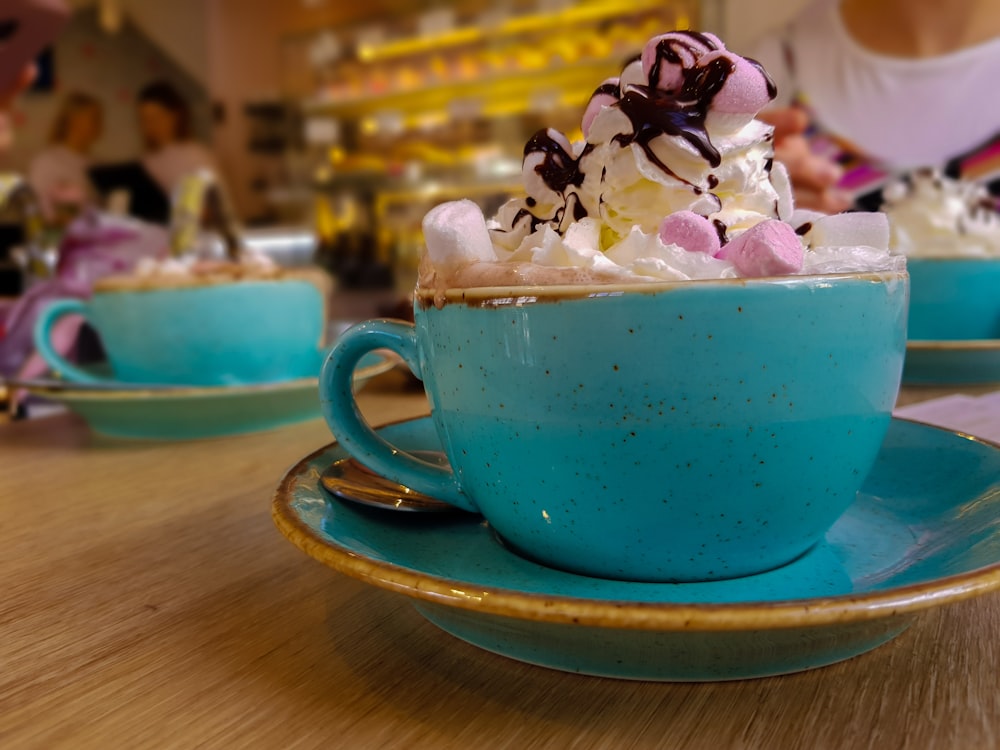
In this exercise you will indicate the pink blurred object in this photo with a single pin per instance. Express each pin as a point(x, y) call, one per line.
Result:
point(94, 246)
point(692, 231)
point(64, 334)
point(746, 90)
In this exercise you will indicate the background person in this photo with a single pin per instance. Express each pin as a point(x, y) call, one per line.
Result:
point(59, 172)
point(171, 152)
point(868, 89)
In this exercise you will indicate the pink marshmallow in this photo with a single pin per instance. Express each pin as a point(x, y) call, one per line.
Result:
point(598, 101)
point(770, 248)
point(688, 47)
point(747, 89)
point(692, 231)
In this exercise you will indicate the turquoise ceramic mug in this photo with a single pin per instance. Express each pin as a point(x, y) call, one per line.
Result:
point(671, 432)
point(221, 333)
point(954, 298)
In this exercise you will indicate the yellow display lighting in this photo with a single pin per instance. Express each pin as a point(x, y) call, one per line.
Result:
point(495, 107)
point(418, 44)
point(575, 81)
point(572, 16)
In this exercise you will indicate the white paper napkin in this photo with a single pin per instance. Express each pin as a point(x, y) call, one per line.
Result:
point(973, 415)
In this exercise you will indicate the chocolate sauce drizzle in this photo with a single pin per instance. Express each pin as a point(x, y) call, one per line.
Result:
point(612, 89)
point(720, 229)
point(652, 112)
point(521, 214)
point(772, 90)
point(668, 50)
point(682, 113)
point(579, 212)
point(558, 169)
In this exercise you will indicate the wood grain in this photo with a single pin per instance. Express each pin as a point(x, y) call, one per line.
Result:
point(916, 394)
point(149, 602)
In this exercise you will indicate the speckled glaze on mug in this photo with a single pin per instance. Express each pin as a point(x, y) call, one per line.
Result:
point(954, 298)
point(671, 432)
point(239, 333)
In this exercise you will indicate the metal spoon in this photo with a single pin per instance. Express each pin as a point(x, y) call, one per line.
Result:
point(348, 480)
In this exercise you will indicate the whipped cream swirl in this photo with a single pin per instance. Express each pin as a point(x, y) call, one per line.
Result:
point(933, 216)
point(674, 179)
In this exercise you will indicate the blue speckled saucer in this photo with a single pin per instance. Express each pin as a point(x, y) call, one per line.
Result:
point(145, 412)
point(922, 533)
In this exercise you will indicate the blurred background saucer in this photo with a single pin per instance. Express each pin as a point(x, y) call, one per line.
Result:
point(184, 413)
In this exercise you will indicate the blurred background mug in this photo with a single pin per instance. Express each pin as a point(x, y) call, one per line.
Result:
point(954, 298)
point(230, 333)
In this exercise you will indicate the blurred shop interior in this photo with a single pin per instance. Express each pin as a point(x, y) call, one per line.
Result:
point(336, 125)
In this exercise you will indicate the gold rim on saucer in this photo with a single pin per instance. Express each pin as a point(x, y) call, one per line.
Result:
point(618, 614)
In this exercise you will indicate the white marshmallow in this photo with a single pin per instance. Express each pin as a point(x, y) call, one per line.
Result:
point(802, 216)
point(859, 259)
point(456, 235)
point(850, 230)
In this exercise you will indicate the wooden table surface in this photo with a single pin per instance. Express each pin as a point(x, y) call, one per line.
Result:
point(149, 602)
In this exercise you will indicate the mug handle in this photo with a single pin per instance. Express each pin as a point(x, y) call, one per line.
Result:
point(42, 335)
point(349, 427)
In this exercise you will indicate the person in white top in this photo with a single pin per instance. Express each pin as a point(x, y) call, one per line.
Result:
point(58, 173)
point(892, 85)
point(165, 127)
